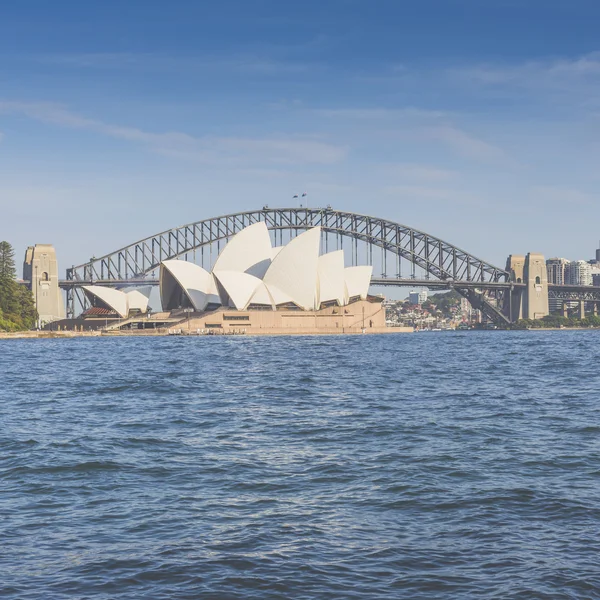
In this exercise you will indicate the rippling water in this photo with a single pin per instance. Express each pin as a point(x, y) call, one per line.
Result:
point(448, 465)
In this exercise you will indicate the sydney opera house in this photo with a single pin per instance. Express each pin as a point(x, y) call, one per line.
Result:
point(254, 287)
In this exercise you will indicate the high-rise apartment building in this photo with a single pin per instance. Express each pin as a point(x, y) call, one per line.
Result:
point(556, 270)
point(417, 297)
point(578, 272)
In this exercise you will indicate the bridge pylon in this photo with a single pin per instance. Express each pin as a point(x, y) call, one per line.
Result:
point(40, 269)
point(535, 305)
point(513, 301)
point(531, 301)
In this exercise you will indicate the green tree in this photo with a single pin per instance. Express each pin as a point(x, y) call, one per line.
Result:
point(27, 311)
point(17, 310)
point(8, 286)
point(7, 261)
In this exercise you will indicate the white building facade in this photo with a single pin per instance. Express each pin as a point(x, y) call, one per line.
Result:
point(252, 274)
point(578, 272)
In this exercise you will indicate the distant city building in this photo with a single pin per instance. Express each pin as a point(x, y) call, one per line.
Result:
point(556, 270)
point(417, 297)
point(578, 272)
point(596, 261)
point(468, 313)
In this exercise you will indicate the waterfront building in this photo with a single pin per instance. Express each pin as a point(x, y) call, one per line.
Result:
point(250, 273)
point(255, 287)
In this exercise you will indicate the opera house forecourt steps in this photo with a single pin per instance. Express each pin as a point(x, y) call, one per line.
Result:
point(253, 288)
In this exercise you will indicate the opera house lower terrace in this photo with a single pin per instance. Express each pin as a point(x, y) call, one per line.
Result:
point(252, 288)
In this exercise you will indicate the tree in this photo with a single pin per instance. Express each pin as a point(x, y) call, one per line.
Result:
point(27, 313)
point(8, 286)
point(17, 310)
point(7, 261)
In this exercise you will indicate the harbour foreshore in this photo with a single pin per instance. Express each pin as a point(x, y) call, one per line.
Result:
point(183, 332)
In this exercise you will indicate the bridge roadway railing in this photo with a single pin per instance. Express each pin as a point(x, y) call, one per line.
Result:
point(587, 293)
point(559, 292)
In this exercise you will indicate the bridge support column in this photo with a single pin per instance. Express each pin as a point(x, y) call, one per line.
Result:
point(581, 309)
point(594, 309)
point(536, 295)
point(40, 268)
point(513, 301)
point(565, 309)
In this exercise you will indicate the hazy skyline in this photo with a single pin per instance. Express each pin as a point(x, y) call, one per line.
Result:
point(476, 124)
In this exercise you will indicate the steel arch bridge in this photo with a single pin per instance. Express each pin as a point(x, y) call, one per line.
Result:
point(431, 261)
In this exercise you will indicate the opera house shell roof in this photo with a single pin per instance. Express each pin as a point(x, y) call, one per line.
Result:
point(251, 273)
point(123, 303)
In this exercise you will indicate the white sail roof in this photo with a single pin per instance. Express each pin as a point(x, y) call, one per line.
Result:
point(357, 281)
point(279, 296)
point(293, 272)
point(239, 287)
point(195, 282)
point(262, 296)
point(110, 297)
point(275, 251)
point(138, 300)
point(248, 251)
point(332, 285)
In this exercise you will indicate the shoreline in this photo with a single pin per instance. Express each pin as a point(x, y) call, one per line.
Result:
point(48, 335)
point(45, 335)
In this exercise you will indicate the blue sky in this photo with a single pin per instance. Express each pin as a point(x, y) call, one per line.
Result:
point(475, 121)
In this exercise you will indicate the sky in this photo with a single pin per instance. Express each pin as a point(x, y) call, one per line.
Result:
point(477, 122)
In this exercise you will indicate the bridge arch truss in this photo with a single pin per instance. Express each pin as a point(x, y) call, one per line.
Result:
point(379, 242)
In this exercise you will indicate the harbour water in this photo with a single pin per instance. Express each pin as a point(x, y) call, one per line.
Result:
point(443, 465)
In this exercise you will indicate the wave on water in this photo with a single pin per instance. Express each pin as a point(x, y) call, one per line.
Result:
point(454, 466)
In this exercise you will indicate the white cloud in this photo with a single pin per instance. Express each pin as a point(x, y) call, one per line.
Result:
point(439, 196)
point(417, 191)
point(289, 150)
point(151, 62)
point(379, 113)
point(537, 76)
point(466, 144)
point(413, 171)
point(561, 197)
point(329, 188)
